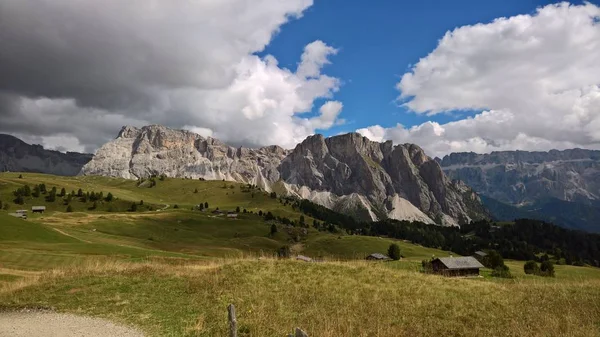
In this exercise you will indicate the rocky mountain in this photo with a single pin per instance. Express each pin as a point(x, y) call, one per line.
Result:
point(16, 155)
point(347, 173)
point(559, 186)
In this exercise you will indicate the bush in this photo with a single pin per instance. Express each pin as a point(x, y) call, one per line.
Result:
point(273, 229)
point(493, 260)
point(394, 252)
point(133, 207)
point(547, 268)
point(175, 206)
point(531, 267)
point(427, 266)
point(501, 271)
point(69, 209)
point(284, 252)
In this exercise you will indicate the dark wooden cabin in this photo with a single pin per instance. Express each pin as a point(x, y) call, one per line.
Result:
point(456, 266)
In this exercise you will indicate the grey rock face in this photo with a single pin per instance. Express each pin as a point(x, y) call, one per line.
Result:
point(16, 155)
point(348, 173)
point(520, 177)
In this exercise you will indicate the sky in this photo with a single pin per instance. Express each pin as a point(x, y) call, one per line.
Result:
point(449, 76)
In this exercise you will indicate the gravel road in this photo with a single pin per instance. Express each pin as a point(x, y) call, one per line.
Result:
point(49, 324)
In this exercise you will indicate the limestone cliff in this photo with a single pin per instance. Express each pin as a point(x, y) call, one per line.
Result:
point(348, 173)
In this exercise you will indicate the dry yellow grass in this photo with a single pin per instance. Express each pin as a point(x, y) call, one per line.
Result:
point(326, 299)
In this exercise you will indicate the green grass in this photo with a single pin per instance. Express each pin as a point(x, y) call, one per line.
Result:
point(325, 299)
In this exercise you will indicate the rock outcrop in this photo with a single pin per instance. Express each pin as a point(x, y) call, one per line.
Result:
point(16, 155)
point(347, 173)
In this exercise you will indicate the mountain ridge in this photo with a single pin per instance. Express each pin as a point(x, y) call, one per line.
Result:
point(16, 155)
point(348, 172)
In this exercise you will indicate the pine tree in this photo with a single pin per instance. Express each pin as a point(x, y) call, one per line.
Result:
point(69, 209)
point(1, 205)
point(79, 193)
point(109, 197)
point(206, 205)
point(141, 202)
point(62, 192)
point(133, 207)
point(273, 229)
point(237, 209)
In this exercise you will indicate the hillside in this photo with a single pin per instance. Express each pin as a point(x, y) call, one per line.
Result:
point(173, 271)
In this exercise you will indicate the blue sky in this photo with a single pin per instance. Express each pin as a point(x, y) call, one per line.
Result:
point(378, 43)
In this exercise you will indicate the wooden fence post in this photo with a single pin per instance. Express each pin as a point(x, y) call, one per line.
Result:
point(232, 321)
point(300, 333)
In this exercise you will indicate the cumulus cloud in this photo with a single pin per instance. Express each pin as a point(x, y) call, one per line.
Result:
point(80, 70)
point(535, 77)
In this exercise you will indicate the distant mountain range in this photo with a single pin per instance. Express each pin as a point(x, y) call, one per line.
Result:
point(558, 186)
point(351, 174)
point(16, 155)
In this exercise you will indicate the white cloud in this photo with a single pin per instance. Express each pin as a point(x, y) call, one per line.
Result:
point(83, 69)
point(535, 76)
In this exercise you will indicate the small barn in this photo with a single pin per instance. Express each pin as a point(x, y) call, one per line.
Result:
point(377, 257)
point(232, 215)
point(38, 209)
point(456, 266)
point(21, 211)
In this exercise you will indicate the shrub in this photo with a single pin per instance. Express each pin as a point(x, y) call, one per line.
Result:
point(273, 229)
point(394, 252)
point(69, 209)
point(284, 252)
point(133, 207)
point(1, 204)
point(501, 271)
point(547, 268)
point(237, 209)
point(20, 176)
point(493, 260)
point(427, 266)
point(175, 206)
point(531, 267)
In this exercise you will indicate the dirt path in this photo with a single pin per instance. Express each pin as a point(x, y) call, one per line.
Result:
point(69, 235)
point(49, 324)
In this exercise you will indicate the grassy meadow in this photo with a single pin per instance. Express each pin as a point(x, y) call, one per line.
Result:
point(172, 271)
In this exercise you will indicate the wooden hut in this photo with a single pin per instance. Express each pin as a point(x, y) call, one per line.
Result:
point(38, 209)
point(456, 266)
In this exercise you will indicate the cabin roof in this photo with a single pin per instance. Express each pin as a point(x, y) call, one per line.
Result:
point(379, 256)
point(466, 262)
point(480, 253)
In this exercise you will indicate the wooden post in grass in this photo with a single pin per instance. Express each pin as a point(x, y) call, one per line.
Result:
point(300, 333)
point(232, 321)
